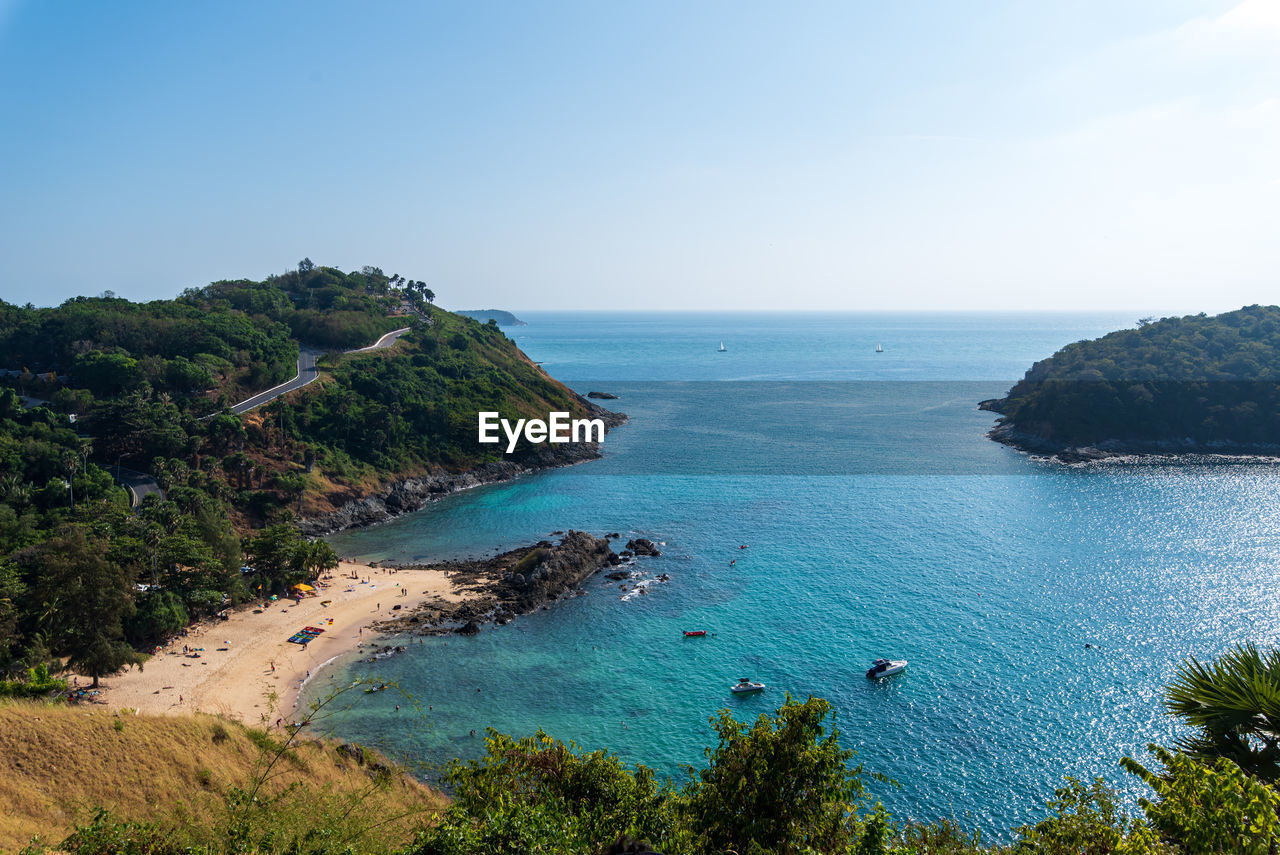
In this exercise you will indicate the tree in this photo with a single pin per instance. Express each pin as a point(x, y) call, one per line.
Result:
point(306, 266)
point(1087, 819)
point(1233, 705)
point(160, 615)
point(539, 795)
point(11, 589)
point(279, 554)
point(1207, 808)
point(318, 556)
point(71, 462)
point(782, 784)
point(106, 374)
point(82, 600)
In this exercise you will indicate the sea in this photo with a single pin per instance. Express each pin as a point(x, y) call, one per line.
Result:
point(820, 504)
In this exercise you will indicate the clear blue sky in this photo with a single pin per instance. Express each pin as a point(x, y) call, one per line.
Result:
point(684, 155)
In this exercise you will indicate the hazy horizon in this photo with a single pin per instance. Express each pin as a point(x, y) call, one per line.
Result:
point(570, 155)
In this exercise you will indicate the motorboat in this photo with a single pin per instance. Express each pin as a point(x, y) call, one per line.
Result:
point(746, 685)
point(694, 633)
point(886, 668)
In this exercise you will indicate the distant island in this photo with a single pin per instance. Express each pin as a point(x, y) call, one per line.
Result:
point(1188, 385)
point(498, 316)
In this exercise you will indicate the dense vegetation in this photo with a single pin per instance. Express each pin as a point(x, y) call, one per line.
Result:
point(1190, 381)
point(100, 383)
point(780, 785)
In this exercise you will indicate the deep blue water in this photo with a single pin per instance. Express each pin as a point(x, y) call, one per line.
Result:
point(881, 521)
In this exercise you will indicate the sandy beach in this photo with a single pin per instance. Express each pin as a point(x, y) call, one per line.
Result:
point(247, 657)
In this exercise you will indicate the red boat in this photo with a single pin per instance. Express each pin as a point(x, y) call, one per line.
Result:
point(694, 633)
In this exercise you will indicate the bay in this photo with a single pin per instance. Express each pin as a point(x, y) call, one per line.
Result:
point(1042, 607)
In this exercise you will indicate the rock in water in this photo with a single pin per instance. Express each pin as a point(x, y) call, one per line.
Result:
point(643, 546)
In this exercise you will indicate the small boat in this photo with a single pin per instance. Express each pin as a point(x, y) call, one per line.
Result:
point(694, 633)
point(885, 668)
point(879, 349)
point(746, 685)
point(722, 347)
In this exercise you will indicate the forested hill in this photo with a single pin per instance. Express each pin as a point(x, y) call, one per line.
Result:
point(102, 382)
point(232, 337)
point(1194, 383)
point(502, 318)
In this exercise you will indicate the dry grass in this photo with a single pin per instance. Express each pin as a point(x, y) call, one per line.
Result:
point(58, 764)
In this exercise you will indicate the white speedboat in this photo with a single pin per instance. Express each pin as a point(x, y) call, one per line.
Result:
point(885, 668)
point(745, 685)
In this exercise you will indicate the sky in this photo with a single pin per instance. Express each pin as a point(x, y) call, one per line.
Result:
point(650, 155)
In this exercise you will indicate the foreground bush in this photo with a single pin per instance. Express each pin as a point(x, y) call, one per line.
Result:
point(780, 785)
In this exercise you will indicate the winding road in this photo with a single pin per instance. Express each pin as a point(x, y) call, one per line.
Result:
point(306, 373)
point(140, 485)
point(386, 341)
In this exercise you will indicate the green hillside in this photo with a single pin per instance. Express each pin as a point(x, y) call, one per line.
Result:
point(1194, 383)
point(102, 382)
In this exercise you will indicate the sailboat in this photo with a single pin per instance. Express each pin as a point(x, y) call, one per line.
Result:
point(722, 347)
point(879, 349)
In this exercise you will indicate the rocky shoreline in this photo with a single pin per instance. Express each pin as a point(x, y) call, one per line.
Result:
point(514, 583)
point(412, 494)
point(1185, 450)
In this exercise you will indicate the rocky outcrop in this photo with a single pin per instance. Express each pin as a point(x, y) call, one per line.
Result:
point(514, 583)
point(604, 396)
point(1110, 449)
point(546, 574)
point(642, 546)
point(412, 494)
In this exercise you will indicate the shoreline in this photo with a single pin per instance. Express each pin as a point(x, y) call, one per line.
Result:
point(407, 495)
point(1120, 451)
point(245, 668)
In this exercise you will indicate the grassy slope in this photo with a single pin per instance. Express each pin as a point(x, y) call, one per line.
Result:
point(58, 764)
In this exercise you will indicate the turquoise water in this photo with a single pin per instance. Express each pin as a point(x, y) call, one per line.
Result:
point(881, 522)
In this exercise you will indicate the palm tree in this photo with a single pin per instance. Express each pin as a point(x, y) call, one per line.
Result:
point(1234, 706)
point(71, 462)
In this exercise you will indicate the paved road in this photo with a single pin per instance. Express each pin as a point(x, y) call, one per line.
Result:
point(386, 341)
point(139, 484)
point(306, 373)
